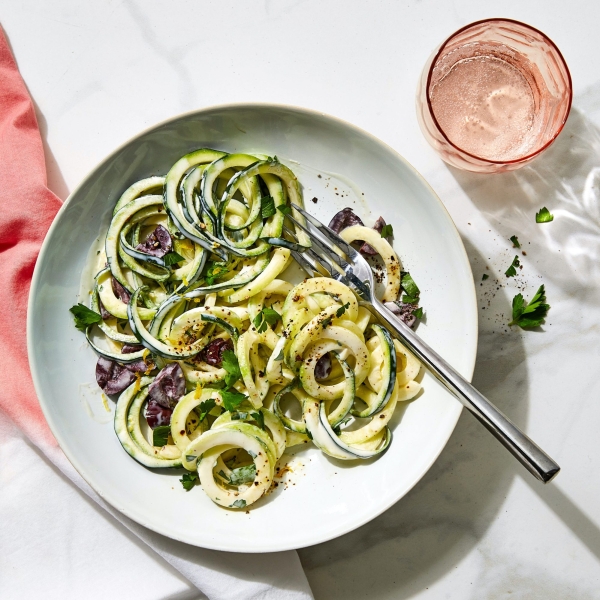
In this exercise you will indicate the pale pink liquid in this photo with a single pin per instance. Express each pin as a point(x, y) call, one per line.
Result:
point(486, 107)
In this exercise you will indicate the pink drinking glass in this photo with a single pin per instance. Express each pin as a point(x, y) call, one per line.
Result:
point(516, 47)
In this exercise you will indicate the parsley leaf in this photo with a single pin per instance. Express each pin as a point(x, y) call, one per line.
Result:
point(484, 277)
point(530, 314)
point(387, 231)
point(205, 407)
point(259, 418)
point(172, 258)
point(242, 475)
point(84, 316)
point(515, 240)
point(410, 287)
point(267, 207)
point(342, 309)
point(241, 503)
point(189, 480)
point(285, 209)
point(544, 216)
point(160, 435)
point(214, 271)
point(418, 313)
point(326, 322)
point(231, 400)
point(512, 270)
point(267, 316)
point(231, 365)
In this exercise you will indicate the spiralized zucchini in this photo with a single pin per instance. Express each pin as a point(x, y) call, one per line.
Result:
point(194, 273)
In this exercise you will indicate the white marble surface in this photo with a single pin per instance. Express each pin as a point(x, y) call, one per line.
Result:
point(477, 526)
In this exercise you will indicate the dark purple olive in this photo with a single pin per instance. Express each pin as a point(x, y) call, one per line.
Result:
point(168, 386)
point(113, 377)
point(158, 243)
point(119, 291)
point(103, 312)
point(345, 218)
point(323, 367)
point(367, 249)
point(403, 311)
point(212, 353)
point(157, 415)
point(139, 366)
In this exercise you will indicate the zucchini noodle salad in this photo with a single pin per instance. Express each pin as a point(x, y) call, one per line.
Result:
point(217, 363)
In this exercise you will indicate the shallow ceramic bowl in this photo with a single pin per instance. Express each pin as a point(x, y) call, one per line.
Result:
point(339, 165)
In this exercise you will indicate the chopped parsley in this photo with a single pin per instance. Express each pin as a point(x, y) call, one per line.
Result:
point(267, 207)
point(160, 435)
point(267, 316)
point(232, 399)
point(84, 316)
point(515, 240)
point(484, 277)
point(512, 270)
point(342, 309)
point(189, 480)
point(172, 258)
point(259, 418)
point(241, 503)
point(205, 407)
point(530, 314)
point(231, 365)
point(285, 209)
point(242, 475)
point(387, 231)
point(214, 271)
point(412, 291)
point(418, 312)
point(544, 216)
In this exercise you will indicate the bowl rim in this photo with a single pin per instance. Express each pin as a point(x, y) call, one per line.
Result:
point(527, 157)
point(467, 372)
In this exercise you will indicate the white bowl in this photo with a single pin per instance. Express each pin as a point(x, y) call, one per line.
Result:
point(323, 498)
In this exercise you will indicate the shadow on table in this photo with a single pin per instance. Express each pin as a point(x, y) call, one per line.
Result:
point(442, 519)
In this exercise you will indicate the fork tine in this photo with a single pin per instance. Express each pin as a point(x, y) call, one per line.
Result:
point(323, 244)
point(309, 260)
point(332, 236)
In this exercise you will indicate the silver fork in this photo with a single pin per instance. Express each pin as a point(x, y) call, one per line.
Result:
point(332, 256)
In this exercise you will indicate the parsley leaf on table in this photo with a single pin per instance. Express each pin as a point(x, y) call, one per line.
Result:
point(544, 216)
point(515, 240)
point(530, 314)
point(189, 480)
point(484, 277)
point(84, 316)
point(512, 270)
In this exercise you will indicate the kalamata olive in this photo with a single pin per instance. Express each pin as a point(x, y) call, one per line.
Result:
point(157, 415)
point(212, 353)
point(403, 311)
point(158, 243)
point(119, 291)
point(168, 386)
point(113, 377)
point(367, 249)
point(345, 218)
point(323, 367)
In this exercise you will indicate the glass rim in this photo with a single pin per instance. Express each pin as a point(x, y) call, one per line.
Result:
point(550, 43)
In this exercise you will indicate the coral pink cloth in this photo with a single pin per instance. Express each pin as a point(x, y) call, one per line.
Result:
point(27, 210)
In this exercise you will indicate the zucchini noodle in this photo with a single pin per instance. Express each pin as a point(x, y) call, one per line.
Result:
point(191, 287)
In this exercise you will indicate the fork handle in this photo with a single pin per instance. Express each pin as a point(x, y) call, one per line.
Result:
point(529, 454)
